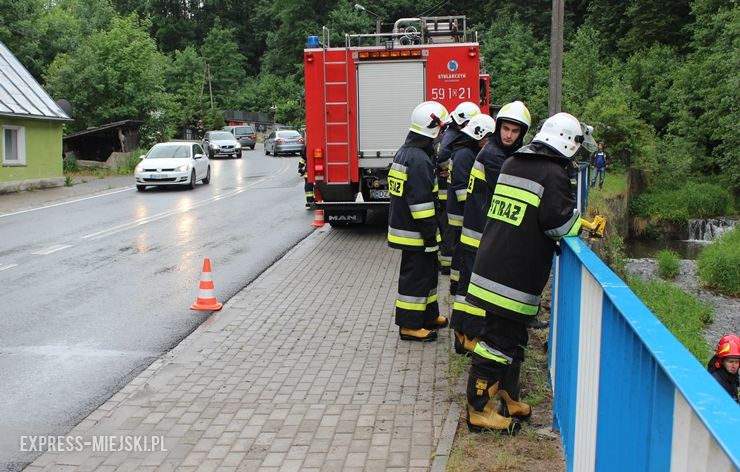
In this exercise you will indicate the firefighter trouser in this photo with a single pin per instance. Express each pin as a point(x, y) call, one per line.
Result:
point(500, 352)
point(308, 188)
point(416, 305)
point(467, 318)
point(453, 236)
point(445, 247)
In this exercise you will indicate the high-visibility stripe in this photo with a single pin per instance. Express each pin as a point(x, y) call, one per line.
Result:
point(522, 183)
point(417, 215)
point(435, 189)
point(309, 194)
point(470, 237)
point(486, 351)
point(411, 306)
point(454, 275)
point(519, 194)
point(569, 228)
point(461, 305)
point(461, 194)
point(421, 207)
point(411, 299)
point(498, 300)
point(405, 238)
point(398, 175)
point(443, 194)
point(478, 171)
point(454, 220)
point(508, 292)
point(400, 168)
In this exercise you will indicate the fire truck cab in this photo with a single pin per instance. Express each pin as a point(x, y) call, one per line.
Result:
point(359, 99)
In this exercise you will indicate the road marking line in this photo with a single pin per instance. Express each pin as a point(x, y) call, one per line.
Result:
point(126, 189)
point(51, 250)
point(7, 266)
point(148, 219)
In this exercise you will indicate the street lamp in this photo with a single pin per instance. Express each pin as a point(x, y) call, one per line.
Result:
point(359, 7)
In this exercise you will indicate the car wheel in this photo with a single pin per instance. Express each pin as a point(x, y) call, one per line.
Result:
point(251, 147)
point(267, 153)
point(141, 188)
point(236, 156)
point(191, 185)
point(207, 178)
point(210, 154)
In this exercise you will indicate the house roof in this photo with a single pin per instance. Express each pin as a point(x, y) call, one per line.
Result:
point(20, 95)
point(98, 129)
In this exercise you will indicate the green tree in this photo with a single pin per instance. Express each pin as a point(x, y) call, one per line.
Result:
point(650, 75)
point(655, 22)
point(279, 94)
point(707, 91)
point(186, 82)
point(517, 63)
point(225, 63)
point(115, 75)
point(19, 31)
point(630, 140)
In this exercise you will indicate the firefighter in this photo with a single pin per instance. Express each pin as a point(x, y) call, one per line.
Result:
point(512, 123)
point(532, 208)
point(413, 227)
point(307, 186)
point(723, 366)
point(450, 229)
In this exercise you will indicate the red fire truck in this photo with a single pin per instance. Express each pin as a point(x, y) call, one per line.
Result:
point(359, 100)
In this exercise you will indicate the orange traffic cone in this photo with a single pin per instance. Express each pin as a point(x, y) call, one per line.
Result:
point(206, 301)
point(318, 218)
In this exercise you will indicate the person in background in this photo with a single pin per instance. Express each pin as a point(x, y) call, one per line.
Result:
point(413, 226)
point(599, 161)
point(448, 226)
point(512, 123)
point(725, 363)
point(532, 208)
point(307, 186)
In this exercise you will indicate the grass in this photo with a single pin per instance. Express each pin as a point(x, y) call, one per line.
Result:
point(719, 264)
point(668, 264)
point(684, 315)
point(602, 202)
point(531, 450)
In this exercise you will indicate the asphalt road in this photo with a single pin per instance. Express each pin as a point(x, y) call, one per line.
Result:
point(95, 287)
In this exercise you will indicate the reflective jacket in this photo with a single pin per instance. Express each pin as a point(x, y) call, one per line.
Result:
point(483, 178)
point(412, 223)
point(464, 150)
point(532, 208)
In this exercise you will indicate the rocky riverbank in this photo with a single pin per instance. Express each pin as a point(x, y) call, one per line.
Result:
point(726, 316)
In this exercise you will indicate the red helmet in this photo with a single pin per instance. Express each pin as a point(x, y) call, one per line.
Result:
point(728, 346)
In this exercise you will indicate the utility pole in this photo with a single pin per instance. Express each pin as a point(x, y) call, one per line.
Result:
point(556, 57)
point(207, 77)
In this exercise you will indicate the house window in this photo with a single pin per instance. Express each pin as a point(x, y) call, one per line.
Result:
point(14, 146)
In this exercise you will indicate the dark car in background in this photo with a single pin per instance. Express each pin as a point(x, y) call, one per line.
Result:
point(284, 141)
point(245, 134)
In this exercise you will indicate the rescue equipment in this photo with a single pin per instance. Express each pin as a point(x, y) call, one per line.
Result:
point(596, 227)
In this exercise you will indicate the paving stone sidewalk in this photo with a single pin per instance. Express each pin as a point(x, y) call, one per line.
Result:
point(302, 370)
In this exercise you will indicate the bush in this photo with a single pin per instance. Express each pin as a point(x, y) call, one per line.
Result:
point(719, 264)
point(668, 264)
point(692, 200)
point(683, 315)
point(70, 164)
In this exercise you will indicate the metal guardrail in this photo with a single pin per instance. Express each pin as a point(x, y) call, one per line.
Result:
point(627, 394)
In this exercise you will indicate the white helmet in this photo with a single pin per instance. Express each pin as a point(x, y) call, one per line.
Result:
point(564, 134)
point(464, 112)
point(427, 119)
point(516, 112)
point(480, 126)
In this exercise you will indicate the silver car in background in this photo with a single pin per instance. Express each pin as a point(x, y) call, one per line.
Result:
point(221, 144)
point(284, 141)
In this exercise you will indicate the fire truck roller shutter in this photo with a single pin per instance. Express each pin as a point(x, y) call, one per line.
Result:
point(388, 93)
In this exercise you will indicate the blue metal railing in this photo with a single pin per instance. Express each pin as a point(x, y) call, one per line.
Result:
point(627, 394)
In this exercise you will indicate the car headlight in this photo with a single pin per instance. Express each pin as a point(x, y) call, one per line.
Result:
point(238, 145)
point(139, 168)
point(214, 146)
point(182, 168)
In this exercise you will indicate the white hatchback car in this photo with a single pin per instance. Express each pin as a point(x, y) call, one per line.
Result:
point(173, 163)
